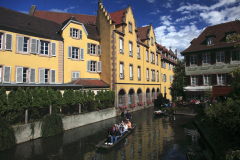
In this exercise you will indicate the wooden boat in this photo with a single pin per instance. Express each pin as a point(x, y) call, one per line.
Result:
point(159, 113)
point(106, 146)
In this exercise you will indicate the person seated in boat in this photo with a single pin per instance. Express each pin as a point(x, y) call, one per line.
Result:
point(116, 136)
point(122, 130)
point(110, 134)
point(119, 124)
point(114, 127)
point(125, 126)
point(129, 124)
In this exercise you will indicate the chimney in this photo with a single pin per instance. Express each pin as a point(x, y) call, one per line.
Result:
point(32, 10)
point(176, 52)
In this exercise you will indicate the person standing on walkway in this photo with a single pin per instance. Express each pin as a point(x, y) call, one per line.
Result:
point(128, 115)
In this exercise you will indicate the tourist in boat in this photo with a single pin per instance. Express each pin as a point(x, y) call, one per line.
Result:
point(129, 124)
point(122, 130)
point(128, 115)
point(119, 124)
point(116, 136)
point(114, 127)
point(125, 126)
point(110, 134)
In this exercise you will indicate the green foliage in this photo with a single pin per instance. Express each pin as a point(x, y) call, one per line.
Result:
point(59, 98)
point(208, 93)
point(79, 97)
point(44, 96)
point(69, 97)
point(37, 100)
point(3, 100)
point(90, 96)
point(51, 125)
point(21, 99)
point(52, 96)
point(235, 38)
point(233, 155)
point(178, 81)
point(29, 97)
point(12, 101)
point(7, 137)
point(105, 99)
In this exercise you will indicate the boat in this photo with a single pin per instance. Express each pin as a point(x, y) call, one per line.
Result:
point(106, 146)
point(159, 113)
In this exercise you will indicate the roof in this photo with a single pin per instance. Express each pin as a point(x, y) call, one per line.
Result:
point(219, 32)
point(117, 16)
point(163, 55)
point(91, 83)
point(60, 17)
point(142, 32)
point(30, 25)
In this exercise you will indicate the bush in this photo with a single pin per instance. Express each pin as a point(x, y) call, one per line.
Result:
point(52, 125)
point(233, 155)
point(7, 137)
point(3, 100)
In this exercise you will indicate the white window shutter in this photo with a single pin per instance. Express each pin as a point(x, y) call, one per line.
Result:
point(73, 75)
point(32, 75)
point(88, 48)
point(53, 76)
point(130, 49)
point(20, 43)
point(41, 75)
point(81, 54)
point(69, 52)
point(88, 66)
point(7, 74)
point(121, 70)
point(77, 75)
point(71, 32)
point(99, 67)
point(19, 75)
point(8, 42)
point(99, 50)
point(33, 48)
point(37, 50)
point(120, 44)
point(80, 34)
point(53, 49)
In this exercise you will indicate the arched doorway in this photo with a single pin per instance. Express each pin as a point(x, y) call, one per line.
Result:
point(121, 100)
point(139, 95)
point(153, 93)
point(158, 93)
point(147, 94)
point(131, 96)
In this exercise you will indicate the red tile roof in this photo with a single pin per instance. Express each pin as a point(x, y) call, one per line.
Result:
point(90, 83)
point(117, 16)
point(142, 32)
point(166, 50)
point(60, 17)
point(219, 31)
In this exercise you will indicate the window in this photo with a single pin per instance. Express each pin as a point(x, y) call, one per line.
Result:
point(75, 53)
point(1, 41)
point(165, 89)
point(120, 99)
point(22, 75)
point(44, 48)
point(164, 78)
point(221, 79)
point(152, 41)
point(130, 98)
point(131, 71)
point(93, 66)
point(157, 58)
point(193, 60)
point(138, 52)
point(139, 73)
point(206, 58)
point(121, 45)
point(75, 33)
point(8, 41)
point(220, 56)
point(169, 66)
point(210, 40)
point(153, 75)
point(121, 70)
point(7, 74)
point(158, 76)
point(152, 58)
point(170, 78)
point(194, 80)
point(147, 74)
point(44, 75)
point(93, 49)
point(130, 49)
point(1, 69)
point(75, 75)
point(147, 58)
point(235, 55)
point(22, 44)
point(207, 80)
point(130, 27)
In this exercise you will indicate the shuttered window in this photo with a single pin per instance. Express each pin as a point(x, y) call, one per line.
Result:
point(99, 50)
point(99, 67)
point(80, 34)
point(8, 42)
point(75, 53)
point(53, 76)
point(7, 74)
point(34, 46)
point(22, 75)
point(75, 76)
point(81, 54)
point(1, 41)
point(73, 33)
point(32, 75)
point(44, 48)
point(43, 75)
point(53, 49)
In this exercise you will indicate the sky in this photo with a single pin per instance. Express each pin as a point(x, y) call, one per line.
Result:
point(175, 22)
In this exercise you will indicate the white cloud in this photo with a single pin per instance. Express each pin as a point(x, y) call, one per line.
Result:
point(168, 5)
point(26, 12)
point(155, 12)
point(166, 20)
point(185, 12)
point(185, 18)
point(151, 1)
point(180, 40)
point(63, 10)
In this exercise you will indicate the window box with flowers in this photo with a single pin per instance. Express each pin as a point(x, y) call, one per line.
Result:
point(149, 102)
point(132, 105)
point(140, 104)
point(123, 108)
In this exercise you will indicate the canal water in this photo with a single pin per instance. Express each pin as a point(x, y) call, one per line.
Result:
point(166, 137)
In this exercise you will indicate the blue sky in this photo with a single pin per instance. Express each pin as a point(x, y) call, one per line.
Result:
point(175, 22)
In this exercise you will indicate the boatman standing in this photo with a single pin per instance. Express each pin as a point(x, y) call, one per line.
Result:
point(128, 115)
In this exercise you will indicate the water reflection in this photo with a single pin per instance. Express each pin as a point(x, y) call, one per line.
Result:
point(166, 137)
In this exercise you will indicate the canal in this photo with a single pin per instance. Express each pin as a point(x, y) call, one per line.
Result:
point(166, 137)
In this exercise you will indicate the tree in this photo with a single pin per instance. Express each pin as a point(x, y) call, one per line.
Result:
point(234, 38)
point(178, 81)
point(235, 83)
point(3, 100)
point(59, 98)
point(29, 97)
point(21, 99)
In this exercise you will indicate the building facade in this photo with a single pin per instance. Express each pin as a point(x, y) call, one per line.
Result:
point(208, 61)
point(106, 51)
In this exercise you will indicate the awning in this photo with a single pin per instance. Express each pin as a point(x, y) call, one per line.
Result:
point(197, 88)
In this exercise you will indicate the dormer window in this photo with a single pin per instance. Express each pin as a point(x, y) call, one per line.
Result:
point(210, 40)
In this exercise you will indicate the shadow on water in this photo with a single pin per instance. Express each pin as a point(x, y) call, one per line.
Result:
point(166, 137)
